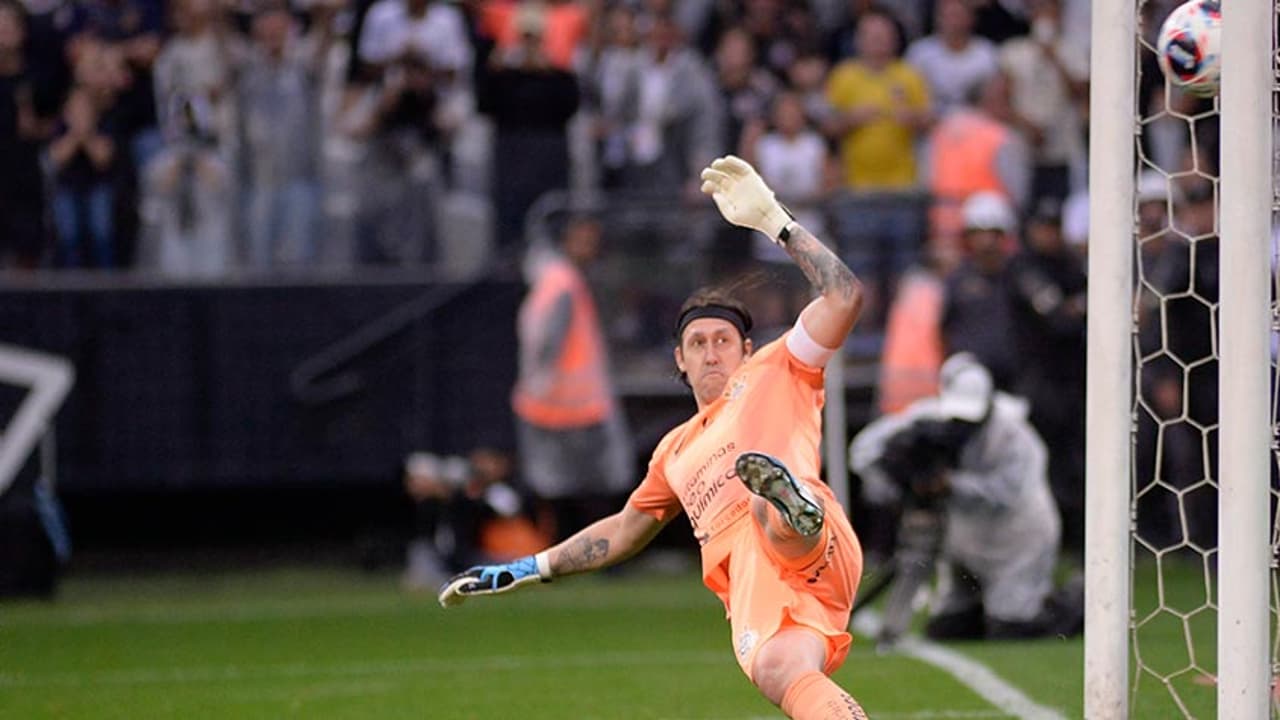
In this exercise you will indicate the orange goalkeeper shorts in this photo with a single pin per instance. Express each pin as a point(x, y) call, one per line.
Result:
point(768, 593)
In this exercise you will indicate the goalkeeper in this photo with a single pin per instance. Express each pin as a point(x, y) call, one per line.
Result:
point(971, 455)
point(777, 548)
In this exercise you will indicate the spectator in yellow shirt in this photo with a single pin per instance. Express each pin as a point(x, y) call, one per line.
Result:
point(879, 107)
point(882, 106)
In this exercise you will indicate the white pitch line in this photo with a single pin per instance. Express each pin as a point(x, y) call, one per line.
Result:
point(160, 614)
point(971, 673)
point(302, 609)
point(348, 689)
point(408, 666)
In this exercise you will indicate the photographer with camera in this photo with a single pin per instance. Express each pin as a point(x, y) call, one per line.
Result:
point(410, 90)
point(970, 474)
point(467, 510)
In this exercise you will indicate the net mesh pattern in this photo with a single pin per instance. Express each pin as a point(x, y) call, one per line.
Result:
point(1175, 406)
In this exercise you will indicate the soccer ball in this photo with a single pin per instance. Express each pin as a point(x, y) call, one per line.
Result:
point(1189, 48)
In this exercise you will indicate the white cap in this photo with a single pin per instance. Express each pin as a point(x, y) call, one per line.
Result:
point(1155, 187)
point(989, 211)
point(966, 388)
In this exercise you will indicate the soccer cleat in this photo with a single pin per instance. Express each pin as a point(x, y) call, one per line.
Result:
point(769, 478)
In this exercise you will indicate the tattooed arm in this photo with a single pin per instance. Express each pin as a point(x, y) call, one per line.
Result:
point(829, 318)
point(605, 542)
point(745, 200)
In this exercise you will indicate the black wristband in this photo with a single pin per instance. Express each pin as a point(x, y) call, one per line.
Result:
point(785, 234)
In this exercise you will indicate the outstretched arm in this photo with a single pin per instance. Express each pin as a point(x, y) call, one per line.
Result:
point(606, 542)
point(603, 543)
point(745, 200)
point(829, 318)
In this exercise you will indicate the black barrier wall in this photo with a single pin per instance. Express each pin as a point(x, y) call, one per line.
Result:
point(197, 388)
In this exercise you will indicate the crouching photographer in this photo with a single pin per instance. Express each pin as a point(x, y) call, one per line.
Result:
point(970, 476)
point(467, 510)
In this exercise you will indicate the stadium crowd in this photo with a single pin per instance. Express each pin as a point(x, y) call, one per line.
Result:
point(203, 137)
point(208, 138)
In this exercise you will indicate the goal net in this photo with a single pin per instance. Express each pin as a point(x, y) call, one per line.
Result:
point(1184, 656)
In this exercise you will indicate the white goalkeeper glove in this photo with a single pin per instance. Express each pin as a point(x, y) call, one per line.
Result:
point(743, 197)
point(494, 579)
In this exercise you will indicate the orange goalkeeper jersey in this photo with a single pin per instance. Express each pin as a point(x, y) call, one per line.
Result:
point(772, 404)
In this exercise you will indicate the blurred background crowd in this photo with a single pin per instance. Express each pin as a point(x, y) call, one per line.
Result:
point(940, 146)
point(209, 137)
point(230, 138)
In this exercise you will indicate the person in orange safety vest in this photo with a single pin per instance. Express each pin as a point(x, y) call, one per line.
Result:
point(975, 148)
point(573, 445)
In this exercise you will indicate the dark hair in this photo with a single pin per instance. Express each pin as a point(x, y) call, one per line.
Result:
point(706, 297)
point(1047, 210)
point(575, 219)
point(714, 296)
point(881, 10)
point(20, 11)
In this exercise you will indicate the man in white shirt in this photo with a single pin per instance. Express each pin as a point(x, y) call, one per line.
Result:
point(1049, 76)
point(953, 60)
point(434, 31)
point(794, 158)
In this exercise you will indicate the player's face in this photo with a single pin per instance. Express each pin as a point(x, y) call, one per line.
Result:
point(710, 351)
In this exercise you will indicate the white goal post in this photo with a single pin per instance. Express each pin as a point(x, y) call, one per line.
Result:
point(1245, 424)
point(1243, 349)
point(1109, 384)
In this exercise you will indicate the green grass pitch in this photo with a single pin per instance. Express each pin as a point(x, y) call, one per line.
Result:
point(319, 643)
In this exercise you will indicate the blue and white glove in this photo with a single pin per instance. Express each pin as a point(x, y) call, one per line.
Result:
point(494, 579)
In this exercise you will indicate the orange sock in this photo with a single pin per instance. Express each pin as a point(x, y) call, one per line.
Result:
point(815, 697)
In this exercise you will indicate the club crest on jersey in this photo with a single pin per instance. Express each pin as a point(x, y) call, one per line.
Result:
point(736, 388)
